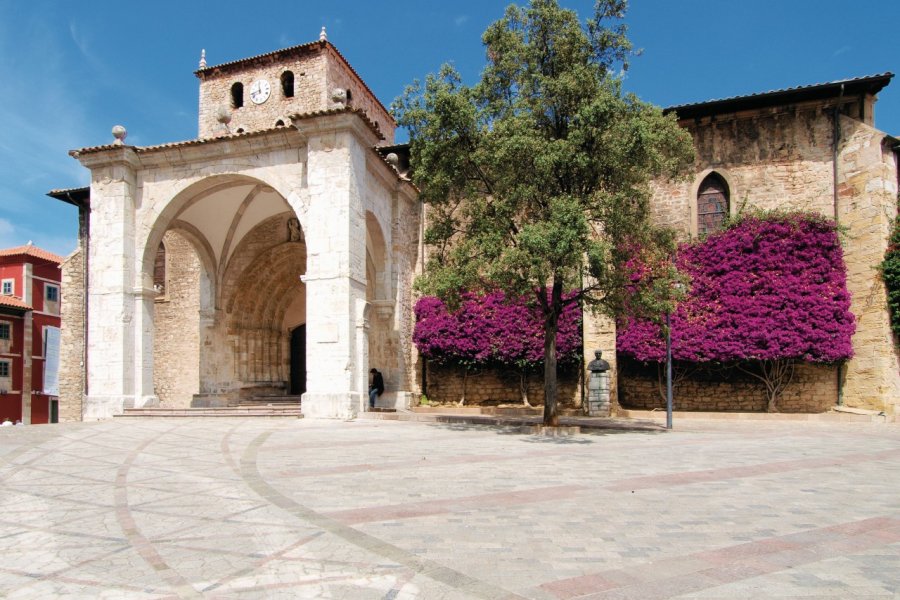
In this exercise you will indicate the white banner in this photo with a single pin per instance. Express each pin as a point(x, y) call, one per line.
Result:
point(51, 361)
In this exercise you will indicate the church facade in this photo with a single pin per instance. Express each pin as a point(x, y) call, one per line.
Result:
point(275, 253)
point(272, 255)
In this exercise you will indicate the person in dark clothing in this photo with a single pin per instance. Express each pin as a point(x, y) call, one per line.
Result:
point(376, 388)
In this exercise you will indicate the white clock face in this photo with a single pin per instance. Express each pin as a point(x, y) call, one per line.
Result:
point(259, 91)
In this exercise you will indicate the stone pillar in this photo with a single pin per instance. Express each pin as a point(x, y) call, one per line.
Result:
point(335, 277)
point(111, 284)
point(144, 394)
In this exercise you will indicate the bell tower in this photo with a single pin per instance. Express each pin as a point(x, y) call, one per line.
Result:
point(263, 92)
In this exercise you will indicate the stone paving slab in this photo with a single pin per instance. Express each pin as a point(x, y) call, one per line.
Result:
point(263, 508)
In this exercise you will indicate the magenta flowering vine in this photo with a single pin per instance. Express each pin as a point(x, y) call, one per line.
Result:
point(770, 289)
point(492, 329)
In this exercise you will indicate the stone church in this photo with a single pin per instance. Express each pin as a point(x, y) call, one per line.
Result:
point(275, 253)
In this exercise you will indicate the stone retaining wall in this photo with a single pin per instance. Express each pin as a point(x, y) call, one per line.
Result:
point(445, 385)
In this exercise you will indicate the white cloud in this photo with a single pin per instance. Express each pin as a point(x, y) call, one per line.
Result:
point(841, 50)
point(461, 20)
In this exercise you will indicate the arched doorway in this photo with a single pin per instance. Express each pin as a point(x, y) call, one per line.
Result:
point(298, 360)
point(226, 319)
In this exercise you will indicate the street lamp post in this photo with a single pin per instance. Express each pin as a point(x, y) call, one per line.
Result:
point(678, 288)
point(668, 370)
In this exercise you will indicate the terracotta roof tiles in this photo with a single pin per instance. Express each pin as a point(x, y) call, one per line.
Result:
point(32, 251)
point(13, 302)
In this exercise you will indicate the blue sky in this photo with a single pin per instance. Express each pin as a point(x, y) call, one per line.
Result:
point(72, 70)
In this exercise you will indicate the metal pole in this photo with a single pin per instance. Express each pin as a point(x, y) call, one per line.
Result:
point(668, 371)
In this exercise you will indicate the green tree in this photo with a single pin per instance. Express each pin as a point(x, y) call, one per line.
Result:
point(537, 177)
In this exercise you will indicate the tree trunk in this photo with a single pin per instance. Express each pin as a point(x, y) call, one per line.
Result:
point(523, 387)
point(552, 308)
point(462, 400)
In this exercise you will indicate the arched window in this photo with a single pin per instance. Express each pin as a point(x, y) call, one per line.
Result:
point(287, 84)
point(159, 270)
point(237, 95)
point(712, 204)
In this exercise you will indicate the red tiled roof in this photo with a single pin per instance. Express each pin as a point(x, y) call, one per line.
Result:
point(13, 302)
point(33, 251)
point(200, 141)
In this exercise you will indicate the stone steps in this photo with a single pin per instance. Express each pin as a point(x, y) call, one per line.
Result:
point(292, 412)
point(270, 401)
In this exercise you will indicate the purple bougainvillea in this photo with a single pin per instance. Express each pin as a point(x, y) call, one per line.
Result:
point(492, 329)
point(766, 289)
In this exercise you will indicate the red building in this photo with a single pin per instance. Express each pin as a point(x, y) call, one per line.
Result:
point(29, 334)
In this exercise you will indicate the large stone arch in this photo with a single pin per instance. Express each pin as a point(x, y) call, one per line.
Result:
point(235, 224)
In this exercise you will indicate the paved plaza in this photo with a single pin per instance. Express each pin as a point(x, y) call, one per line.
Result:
point(280, 508)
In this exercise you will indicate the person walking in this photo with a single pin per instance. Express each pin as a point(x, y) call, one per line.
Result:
point(376, 388)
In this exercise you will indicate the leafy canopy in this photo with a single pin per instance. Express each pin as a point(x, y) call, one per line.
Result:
point(542, 167)
point(537, 177)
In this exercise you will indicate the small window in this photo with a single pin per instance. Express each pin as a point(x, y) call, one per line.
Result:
point(237, 95)
point(4, 369)
point(287, 84)
point(279, 123)
point(51, 292)
point(712, 204)
point(8, 287)
point(159, 270)
point(5, 331)
point(349, 96)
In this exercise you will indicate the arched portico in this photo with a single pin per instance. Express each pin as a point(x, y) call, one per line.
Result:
point(280, 221)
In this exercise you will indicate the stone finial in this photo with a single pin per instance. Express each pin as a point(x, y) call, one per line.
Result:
point(203, 58)
point(322, 35)
point(223, 115)
point(392, 159)
point(339, 96)
point(120, 134)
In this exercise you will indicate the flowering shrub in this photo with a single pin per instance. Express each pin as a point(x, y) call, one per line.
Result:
point(890, 273)
point(766, 289)
point(492, 329)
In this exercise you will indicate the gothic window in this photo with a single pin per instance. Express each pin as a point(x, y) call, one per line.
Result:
point(287, 84)
point(712, 204)
point(237, 95)
point(159, 270)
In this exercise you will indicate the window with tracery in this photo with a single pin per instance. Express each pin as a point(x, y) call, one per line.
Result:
point(712, 204)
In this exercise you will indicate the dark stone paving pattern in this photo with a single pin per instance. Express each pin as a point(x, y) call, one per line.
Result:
point(229, 508)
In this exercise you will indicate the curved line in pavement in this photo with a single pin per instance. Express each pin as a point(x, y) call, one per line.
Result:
point(135, 538)
point(422, 566)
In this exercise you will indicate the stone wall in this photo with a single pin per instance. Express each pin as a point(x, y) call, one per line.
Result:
point(812, 390)
point(310, 94)
point(176, 320)
point(868, 204)
point(317, 70)
point(445, 385)
point(71, 351)
point(782, 159)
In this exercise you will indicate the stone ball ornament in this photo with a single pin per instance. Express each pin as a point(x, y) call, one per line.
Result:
point(120, 133)
point(223, 115)
point(392, 159)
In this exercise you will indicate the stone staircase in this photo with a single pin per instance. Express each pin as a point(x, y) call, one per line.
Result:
point(258, 406)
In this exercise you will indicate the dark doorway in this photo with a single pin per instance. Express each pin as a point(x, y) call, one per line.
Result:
point(298, 360)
